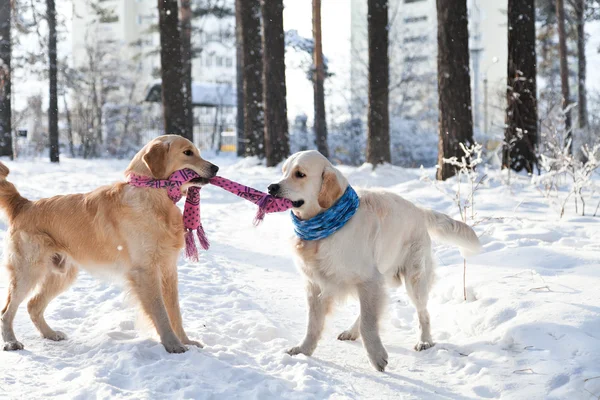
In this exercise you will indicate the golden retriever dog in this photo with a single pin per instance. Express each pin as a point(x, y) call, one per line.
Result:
point(129, 232)
point(386, 241)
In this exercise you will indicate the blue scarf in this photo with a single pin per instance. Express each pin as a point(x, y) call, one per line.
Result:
point(329, 221)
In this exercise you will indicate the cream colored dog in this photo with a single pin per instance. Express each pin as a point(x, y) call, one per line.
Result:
point(386, 241)
point(129, 232)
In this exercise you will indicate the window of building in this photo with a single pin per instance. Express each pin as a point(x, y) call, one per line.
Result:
point(209, 61)
point(415, 59)
point(415, 39)
point(228, 62)
point(419, 18)
point(219, 61)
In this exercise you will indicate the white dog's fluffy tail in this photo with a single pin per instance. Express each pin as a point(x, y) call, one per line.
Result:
point(453, 232)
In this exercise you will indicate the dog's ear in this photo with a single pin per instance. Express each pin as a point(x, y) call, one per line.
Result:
point(331, 190)
point(156, 159)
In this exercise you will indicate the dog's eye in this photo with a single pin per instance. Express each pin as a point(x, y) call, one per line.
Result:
point(300, 175)
point(188, 153)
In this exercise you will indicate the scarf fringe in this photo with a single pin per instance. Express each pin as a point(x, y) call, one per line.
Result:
point(191, 251)
point(262, 204)
point(202, 238)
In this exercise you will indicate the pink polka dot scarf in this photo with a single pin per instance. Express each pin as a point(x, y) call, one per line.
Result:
point(191, 211)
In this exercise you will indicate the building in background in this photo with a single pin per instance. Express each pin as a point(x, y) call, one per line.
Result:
point(413, 62)
point(123, 34)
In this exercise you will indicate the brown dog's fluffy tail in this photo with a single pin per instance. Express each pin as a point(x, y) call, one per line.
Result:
point(11, 200)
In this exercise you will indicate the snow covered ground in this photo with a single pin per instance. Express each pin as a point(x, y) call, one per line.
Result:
point(530, 330)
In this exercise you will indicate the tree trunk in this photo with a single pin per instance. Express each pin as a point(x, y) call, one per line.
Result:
point(6, 148)
point(378, 136)
point(239, 74)
point(252, 70)
point(95, 119)
point(277, 143)
point(186, 60)
point(69, 125)
point(318, 81)
point(52, 76)
point(127, 118)
point(172, 69)
point(454, 84)
point(564, 72)
point(581, 71)
point(521, 114)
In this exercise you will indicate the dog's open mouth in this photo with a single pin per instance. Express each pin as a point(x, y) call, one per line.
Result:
point(297, 203)
point(199, 181)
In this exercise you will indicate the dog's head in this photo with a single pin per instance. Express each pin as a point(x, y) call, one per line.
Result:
point(310, 182)
point(169, 153)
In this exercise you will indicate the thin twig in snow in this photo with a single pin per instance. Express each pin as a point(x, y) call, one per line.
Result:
point(540, 288)
point(520, 371)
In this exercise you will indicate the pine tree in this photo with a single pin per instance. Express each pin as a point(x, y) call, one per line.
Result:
point(186, 60)
point(318, 82)
point(521, 113)
point(378, 136)
point(5, 79)
point(239, 74)
point(172, 69)
point(277, 143)
point(52, 75)
point(564, 72)
point(252, 69)
point(454, 84)
point(580, 9)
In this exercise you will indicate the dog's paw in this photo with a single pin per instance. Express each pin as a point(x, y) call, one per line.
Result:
point(12, 346)
point(379, 359)
point(420, 346)
point(175, 348)
point(298, 350)
point(348, 335)
point(57, 336)
point(193, 343)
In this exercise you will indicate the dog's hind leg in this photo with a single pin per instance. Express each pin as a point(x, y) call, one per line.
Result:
point(54, 284)
point(351, 333)
point(171, 297)
point(418, 282)
point(21, 283)
point(146, 284)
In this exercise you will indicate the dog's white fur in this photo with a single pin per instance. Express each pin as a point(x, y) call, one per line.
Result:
point(386, 241)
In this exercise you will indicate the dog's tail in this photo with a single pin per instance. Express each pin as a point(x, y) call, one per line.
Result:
point(453, 232)
point(11, 200)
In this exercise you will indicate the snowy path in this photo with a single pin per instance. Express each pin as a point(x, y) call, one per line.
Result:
point(532, 329)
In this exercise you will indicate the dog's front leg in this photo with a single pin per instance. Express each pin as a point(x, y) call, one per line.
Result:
point(372, 299)
point(319, 306)
point(171, 296)
point(146, 284)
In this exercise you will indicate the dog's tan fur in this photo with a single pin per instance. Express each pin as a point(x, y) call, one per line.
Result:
point(121, 230)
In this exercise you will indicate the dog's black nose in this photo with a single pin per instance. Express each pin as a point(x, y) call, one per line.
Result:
point(214, 169)
point(273, 188)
